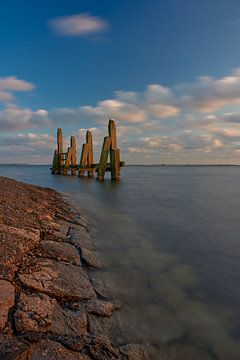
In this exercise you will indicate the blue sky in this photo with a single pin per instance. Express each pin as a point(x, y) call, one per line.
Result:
point(168, 71)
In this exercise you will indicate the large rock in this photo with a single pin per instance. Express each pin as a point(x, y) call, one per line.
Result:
point(6, 301)
point(52, 350)
point(61, 251)
point(60, 280)
point(39, 313)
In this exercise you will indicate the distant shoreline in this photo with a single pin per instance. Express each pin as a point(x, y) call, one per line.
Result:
point(145, 165)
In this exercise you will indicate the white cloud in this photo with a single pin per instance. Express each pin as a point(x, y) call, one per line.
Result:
point(14, 118)
point(10, 84)
point(78, 25)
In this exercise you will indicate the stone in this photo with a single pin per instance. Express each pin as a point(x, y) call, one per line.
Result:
point(39, 313)
point(7, 296)
point(143, 352)
point(13, 349)
point(102, 349)
point(80, 237)
point(101, 308)
point(60, 280)
point(100, 286)
point(91, 258)
point(52, 350)
point(61, 251)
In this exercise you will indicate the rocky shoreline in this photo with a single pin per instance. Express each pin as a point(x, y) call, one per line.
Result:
point(50, 298)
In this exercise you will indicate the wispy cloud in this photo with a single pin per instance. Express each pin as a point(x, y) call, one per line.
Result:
point(78, 25)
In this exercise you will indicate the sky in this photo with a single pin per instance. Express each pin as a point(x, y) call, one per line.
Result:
point(168, 72)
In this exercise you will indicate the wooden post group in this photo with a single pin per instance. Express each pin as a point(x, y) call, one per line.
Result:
point(65, 162)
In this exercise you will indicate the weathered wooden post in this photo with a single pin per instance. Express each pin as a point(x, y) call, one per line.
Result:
point(114, 151)
point(74, 155)
point(103, 159)
point(86, 159)
point(60, 148)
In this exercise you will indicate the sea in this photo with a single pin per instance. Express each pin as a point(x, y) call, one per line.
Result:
point(170, 237)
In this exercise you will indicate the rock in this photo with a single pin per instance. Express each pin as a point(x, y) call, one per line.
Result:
point(60, 280)
point(12, 349)
point(143, 352)
point(61, 251)
point(91, 258)
point(52, 350)
point(7, 295)
point(101, 308)
point(102, 349)
point(15, 243)
point(62, 230)
point(80, 237)
point(99, 285)
point(39, 313)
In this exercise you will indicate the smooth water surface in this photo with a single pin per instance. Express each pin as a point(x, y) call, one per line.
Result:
point(170, 237)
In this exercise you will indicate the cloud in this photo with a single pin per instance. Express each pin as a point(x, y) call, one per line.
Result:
point(208, 94)
point(11, 84)
point(78, 25)
point(14, 118)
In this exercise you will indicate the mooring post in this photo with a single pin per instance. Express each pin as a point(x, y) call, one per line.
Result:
point(90, 152)
point(103, 159)
point(74, 155)
point(114, 151)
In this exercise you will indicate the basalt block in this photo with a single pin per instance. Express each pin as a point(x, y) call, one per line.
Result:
point(59, 280)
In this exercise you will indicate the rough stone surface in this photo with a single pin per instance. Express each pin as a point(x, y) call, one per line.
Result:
point(101, 308)
point(39, 313)
point(12, 349)
point(6, 301)
point(99, 285)
point(102, 349)
point(92, 258)
point(52, 350)
point(61, 251)
point(80, 237)
point(59, 279)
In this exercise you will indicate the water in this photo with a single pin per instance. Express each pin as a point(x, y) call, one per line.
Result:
point(170, 236)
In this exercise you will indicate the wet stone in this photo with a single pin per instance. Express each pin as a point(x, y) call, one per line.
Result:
point(6, 301)
point(80, 238)
point(143, 352)
point(61, 251)
point(101, 308)
point(39, 313)
point(100, 285)
point(60, 280)
point(92, 258)
point(52, 350)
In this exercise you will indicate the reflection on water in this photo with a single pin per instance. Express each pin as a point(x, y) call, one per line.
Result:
point(171, 244)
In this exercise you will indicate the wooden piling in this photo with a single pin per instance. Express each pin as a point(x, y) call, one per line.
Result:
point(73, 155)
point(68, 161)
point(103, 158)
point(115, 164)
point(83, 159)
point(60, 147)
point(90, 152)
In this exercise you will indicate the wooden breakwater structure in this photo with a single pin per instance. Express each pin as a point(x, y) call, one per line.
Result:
point(66, 162)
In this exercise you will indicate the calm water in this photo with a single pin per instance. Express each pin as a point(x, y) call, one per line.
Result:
point(171, 240)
